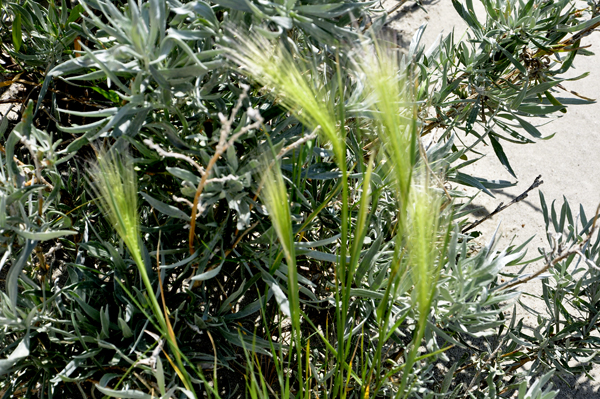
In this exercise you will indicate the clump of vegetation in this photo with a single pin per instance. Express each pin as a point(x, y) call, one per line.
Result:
point(243, 199)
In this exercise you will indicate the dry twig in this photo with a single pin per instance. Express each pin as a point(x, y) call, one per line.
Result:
point(558, 255)
point(536, 183)
point(224, 142)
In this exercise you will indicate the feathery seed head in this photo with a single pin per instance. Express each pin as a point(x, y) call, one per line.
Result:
point(274, 196)
point(114, 182)
point(295, 83)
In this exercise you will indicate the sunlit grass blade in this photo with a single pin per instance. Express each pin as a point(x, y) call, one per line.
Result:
point(274, 197)
point(422, 241)
point(424, 248)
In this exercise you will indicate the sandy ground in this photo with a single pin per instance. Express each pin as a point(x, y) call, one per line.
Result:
point(569, 162)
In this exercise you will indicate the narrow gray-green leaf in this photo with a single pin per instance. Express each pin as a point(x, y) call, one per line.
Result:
point(43, 235)
point(12, 279)
point(208, 275)
point(166, 209)
point(281, 298)
point(125, 393)
point(539, 109)
point(582, 26)
point(501, 155)
point(20, 353)
point(184, 175)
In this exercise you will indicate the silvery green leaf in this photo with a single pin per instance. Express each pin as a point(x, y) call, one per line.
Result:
point(105, 323)
point(187, 393)
point(232, 159)
point(579, 27)
point(125, 113)
point(303, 282)
point(192, 55)
point(83, 128)
point(519, 340)
point(542, 87)
point(530, 128)
point(320, 243)
point(535, 390)
point(281, 298)
point(157, 20)
point(119, 352)
point(448, 378)
point(366, 293)
point(166, 209)
point(187, 72)
point(12, 279)
point(319, 255)
point(91, 114)
point(480, 183)
point(188, 34)
point(181, 262)
point(533, 109)
point(416, 40)
point(208, 275)
point(89, 310)
point(2, 214)
point(4, 124)
point(7, 253)
point(20, 353)
point(70, 368)
point(250, 309)
point(368, 260)
point(239, 203)
point(184, 174)
point(232, 297)
point(125, 393)
point(127, 333)
point(499, 151)
point(43, 235)
point(240, 5)
point(107, 69)
point(131, 127)
point(512, 59)
point(205, 11)
point(159, 374)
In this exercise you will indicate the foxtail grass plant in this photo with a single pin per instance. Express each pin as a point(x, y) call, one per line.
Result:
point(417, 255)
point(299, 86)
point(275, 198)
point(114, 183)
point(390, 113)
point(426, 236)
point(389, 99)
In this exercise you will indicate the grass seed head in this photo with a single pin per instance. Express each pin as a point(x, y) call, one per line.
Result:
point(114, 182)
